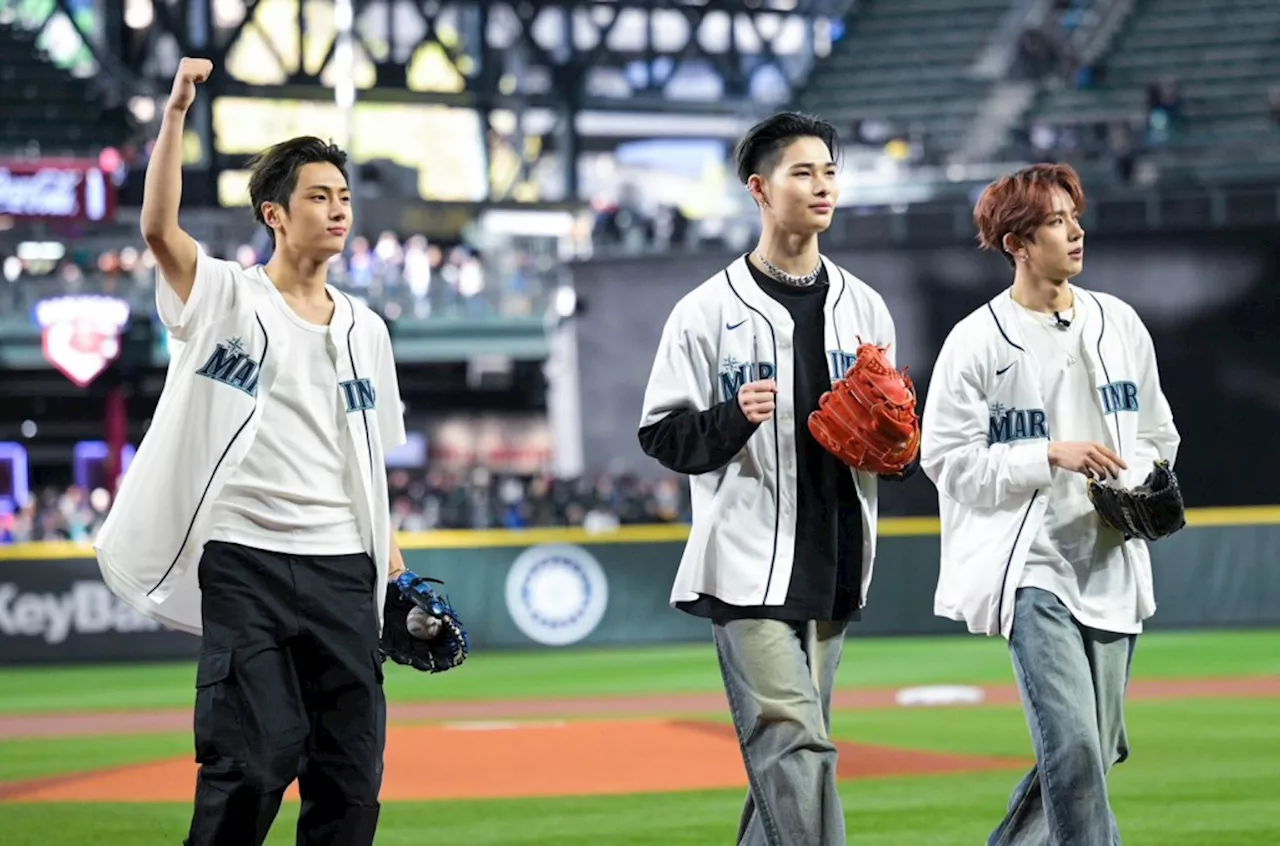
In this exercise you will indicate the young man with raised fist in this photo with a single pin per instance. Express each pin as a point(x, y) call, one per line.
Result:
point(255, 513)
point(780, 553)
point(1038, 397)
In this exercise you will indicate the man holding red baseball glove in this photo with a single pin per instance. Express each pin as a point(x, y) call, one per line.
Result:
point(764, 393)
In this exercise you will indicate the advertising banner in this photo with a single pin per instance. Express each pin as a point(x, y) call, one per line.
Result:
point(553, 589)
point(60, 610)
point(60, 189)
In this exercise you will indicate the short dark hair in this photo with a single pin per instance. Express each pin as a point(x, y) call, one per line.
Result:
point(274, 172)
point(759, 150)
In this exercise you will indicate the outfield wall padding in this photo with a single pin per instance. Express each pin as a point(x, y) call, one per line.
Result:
point(597, 592)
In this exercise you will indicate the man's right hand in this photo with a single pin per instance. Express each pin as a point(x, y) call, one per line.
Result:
point(191, 72)
point(1089, 459)
point(756, 399)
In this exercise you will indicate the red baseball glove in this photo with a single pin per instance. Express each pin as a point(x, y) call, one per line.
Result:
point(868, 418)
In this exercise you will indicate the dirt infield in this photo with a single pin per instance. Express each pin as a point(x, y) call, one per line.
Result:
point(530, 748)
point(151, 722)
point(506, 760)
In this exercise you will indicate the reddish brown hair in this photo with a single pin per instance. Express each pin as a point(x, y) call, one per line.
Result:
point(1018, 203)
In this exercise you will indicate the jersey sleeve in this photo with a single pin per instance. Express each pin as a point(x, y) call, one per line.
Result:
point(212, 296)
point(1158, 437)
point(681, 425)
point(954, 449)
point(389, 410)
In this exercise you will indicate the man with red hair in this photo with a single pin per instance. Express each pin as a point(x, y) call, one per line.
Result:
point(1035, 393)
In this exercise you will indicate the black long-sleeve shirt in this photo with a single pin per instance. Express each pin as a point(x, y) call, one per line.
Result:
point(697, 442)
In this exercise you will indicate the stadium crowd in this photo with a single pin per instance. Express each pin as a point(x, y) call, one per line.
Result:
point(420, 501)
point(400, 277)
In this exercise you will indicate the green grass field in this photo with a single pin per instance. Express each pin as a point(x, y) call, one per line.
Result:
point(1203, 772)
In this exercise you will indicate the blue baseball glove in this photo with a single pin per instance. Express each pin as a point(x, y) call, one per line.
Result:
point(421, 629)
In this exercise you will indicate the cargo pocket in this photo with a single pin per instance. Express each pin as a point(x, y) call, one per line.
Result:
point(219, 733)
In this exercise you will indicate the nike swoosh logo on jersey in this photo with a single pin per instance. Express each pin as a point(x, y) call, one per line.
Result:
point(1002, 370)
point(732, 326)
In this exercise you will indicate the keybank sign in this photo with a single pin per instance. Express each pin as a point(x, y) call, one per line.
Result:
point(88, 608)
point(66, 189)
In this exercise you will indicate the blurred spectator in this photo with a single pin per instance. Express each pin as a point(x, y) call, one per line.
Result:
point(415, 277)
point(53, 515)
point(1164, 110)
point(1273, 100)
point(1043, 51)
point(1120, 147)
point(417, 274)
point(421, 501)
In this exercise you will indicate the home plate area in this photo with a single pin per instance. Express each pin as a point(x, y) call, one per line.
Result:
point(526, 759)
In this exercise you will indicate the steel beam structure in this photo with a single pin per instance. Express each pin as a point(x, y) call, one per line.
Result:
point(510, 58)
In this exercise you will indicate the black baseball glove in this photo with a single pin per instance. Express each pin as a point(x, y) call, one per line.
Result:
point(1150, 511)
point(421, 629)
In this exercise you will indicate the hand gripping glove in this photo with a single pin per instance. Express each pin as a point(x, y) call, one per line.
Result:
point(868, 419)
point(421, 629)
point(1150, 511)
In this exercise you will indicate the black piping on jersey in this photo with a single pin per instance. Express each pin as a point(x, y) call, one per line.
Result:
point(266, 345)
point(835, 324)
point(1115, 411)
point(1025, 514)
point(1001, 328)
point(1009, 562)
point(355, 371)
point(777, 450)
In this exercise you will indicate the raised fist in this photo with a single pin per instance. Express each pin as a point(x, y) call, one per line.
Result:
point(191, 72)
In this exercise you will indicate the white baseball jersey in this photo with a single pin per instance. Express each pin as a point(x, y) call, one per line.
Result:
point(985, 440)
point(1070, 556)
point(293, 491)
point(231, 343)
point(723, 334)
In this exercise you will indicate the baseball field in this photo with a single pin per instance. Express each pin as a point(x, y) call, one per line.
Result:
point(633, 746)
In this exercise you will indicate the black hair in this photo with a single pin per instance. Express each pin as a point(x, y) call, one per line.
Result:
point(759, 150)
point(274, 172)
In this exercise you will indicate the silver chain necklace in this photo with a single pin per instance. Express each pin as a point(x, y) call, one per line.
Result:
point(790, 278)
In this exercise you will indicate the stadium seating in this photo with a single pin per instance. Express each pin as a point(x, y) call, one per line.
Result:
point(43, 104)
point(1225, 59)
point(906, 62)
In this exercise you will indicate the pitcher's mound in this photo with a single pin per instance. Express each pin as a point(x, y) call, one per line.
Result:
point(492, 760)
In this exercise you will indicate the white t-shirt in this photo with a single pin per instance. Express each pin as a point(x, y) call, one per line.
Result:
point(293, 492)
point(1065, 558)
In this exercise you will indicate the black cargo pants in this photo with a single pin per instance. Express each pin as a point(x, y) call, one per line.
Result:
point(289, 685)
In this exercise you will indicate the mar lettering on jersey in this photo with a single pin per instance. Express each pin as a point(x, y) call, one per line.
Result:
point(734, 374)
point(232, 365)
point(1016, 424)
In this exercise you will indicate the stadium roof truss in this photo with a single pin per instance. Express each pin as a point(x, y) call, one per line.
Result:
point(693, 56)
point(563, 72)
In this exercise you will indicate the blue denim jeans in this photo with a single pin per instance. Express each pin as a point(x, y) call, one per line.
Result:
point(778, 677)
point(1072, 679)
